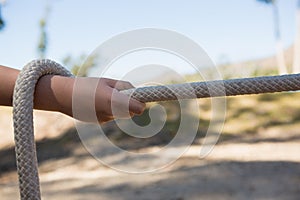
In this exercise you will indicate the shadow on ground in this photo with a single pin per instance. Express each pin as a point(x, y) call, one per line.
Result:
point(219, 180)
point(68, 142)
point(47, 149)
point(189, 179)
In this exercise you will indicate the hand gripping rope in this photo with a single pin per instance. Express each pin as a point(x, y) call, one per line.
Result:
point(23, 107)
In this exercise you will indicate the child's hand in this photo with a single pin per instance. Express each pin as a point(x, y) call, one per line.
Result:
point(103, 93)
point(108, 97)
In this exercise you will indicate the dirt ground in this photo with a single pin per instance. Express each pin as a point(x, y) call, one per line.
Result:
point(261, 166)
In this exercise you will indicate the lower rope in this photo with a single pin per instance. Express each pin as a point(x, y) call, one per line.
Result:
point(23, 124)
point(23, 107)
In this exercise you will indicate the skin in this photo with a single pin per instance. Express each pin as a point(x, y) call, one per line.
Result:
point(58, 91)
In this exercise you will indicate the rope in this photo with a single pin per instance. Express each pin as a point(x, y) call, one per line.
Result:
point(23, 107)
point(233, 87)
point(23, 124)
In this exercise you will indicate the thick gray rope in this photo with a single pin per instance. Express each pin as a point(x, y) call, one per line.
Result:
point(23, 107)
point(23, 124)
point(233, 87)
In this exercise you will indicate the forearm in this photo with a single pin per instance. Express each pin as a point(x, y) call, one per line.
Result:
point(8, 77)
point(52, 93)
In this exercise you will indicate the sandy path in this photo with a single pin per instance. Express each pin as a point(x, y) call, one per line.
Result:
point(261, 166)
point(264, 170)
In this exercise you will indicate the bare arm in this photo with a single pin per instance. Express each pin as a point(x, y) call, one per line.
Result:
point(8, 77)
point(54, 93)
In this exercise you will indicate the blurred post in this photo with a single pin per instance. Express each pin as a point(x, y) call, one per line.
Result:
point(296, 62)
point(282, 69)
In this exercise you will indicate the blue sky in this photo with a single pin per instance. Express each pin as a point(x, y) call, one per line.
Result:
point(231, 30)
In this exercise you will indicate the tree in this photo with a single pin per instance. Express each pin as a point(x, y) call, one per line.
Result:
point(81, 65)
point(42, 46)
point(43, 41)
point(296, 62)
point(2, 23)
point(282, 69)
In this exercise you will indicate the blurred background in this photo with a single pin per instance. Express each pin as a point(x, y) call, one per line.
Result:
point(258, 153)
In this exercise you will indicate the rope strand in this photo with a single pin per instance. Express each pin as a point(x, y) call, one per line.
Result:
point(232, 87)
point(23, 124)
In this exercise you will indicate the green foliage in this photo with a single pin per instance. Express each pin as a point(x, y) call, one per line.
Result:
point(261, 71)
point(266, 1)
point(43, 41)
point(254, 113)
point(2, 23)
point(80, 66)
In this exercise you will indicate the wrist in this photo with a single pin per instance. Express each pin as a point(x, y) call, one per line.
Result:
point(63, 91)
point(54, 93)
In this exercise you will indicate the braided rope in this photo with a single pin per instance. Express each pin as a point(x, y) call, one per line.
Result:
point(23, 124)
point(233, 87)
point(23, 107)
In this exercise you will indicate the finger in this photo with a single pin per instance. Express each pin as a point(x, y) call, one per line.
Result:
point(131, 114)
point(123, 85)
point(118, 84)
point(136, 107)
point(126, 104)
point(105, 119)
point(123, 115)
